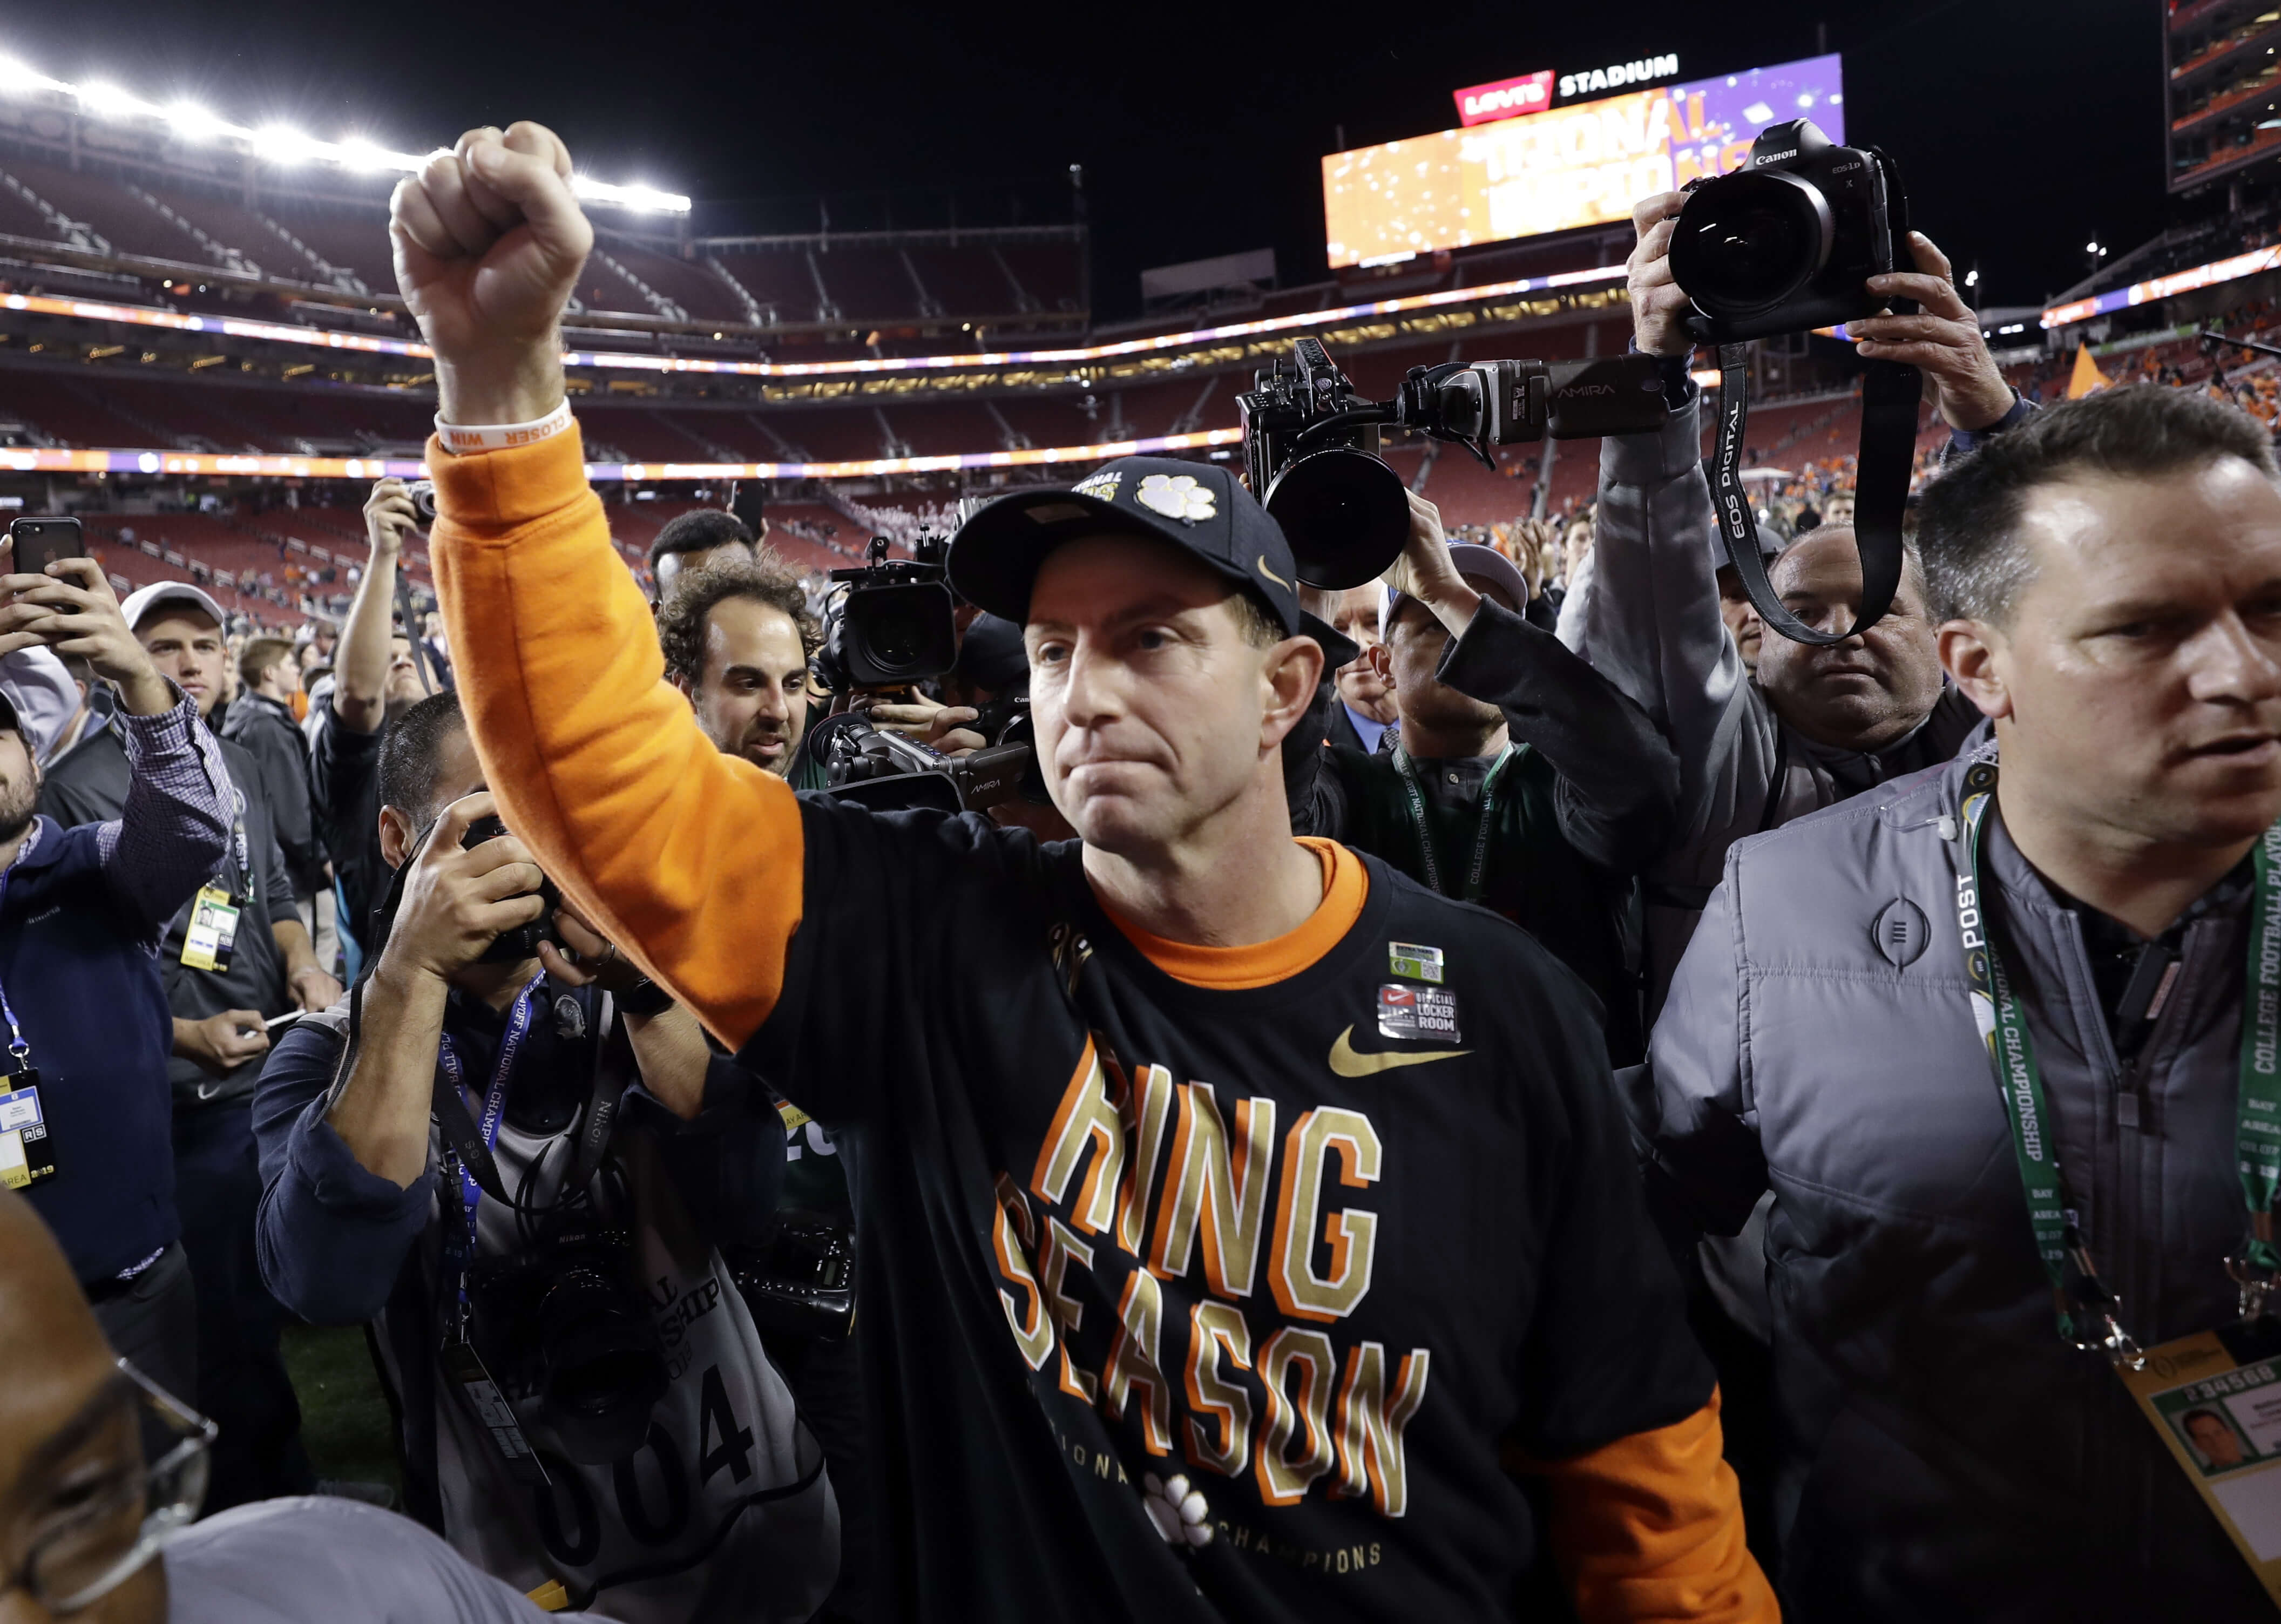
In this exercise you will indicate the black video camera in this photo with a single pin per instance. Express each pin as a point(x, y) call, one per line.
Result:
point(883, 770)
point(1786, 243)
point(1310, 441)
point(893, 624)
point(565, 1322)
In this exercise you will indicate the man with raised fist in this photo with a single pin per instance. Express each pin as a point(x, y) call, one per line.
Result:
point(1113, 1379)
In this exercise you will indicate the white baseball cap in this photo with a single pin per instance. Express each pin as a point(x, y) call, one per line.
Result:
point(144, 600)
point(37, 698)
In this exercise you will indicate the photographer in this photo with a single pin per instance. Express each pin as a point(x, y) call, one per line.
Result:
point(1524, 781)
point(81, 912)
point(2106, 580)
point(737, 639)
point(375, 677)
point(673, 1498)
point(1818, 724)
point(1116, 1380)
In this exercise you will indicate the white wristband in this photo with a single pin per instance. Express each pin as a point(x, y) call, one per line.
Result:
point(461, 439)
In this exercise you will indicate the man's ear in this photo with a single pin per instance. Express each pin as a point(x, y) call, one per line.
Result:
point(1294, 672)
point(1975, 655)
point(1379, 658)
point(682, 685)
point(397, 834)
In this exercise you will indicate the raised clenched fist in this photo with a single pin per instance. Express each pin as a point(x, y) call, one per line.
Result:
point(489, 242)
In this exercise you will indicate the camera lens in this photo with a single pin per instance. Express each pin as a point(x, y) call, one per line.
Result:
point(604, 1373)
point(1346, 515)
point(897, 636)
point(1750, 241)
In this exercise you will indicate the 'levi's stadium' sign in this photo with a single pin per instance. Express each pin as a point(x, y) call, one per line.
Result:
point(1506, 98)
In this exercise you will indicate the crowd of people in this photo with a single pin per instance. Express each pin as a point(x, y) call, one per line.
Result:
point(1510, 1090)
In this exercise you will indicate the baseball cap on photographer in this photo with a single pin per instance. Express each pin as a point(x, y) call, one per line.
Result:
point(1197, 506)
point(144, 601)
point(1485, 569)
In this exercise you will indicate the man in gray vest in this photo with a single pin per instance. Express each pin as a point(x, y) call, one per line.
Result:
point(1953, 1440)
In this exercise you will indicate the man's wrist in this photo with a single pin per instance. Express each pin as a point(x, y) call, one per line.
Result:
point(404, 979)
point(523, 391)
point(1454, 604)
point(1988, 404)
point(146, 693)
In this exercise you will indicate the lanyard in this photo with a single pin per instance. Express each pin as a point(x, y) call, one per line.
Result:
point(1483, 828)
point(2086, 1309)
point(471, 1194)
point(241, 849)
point(19, 1051)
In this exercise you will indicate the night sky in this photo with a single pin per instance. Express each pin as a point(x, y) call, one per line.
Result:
point(2024, 127)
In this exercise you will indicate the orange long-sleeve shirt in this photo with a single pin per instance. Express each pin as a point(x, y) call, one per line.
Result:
point(689, 858)
point(693, 861)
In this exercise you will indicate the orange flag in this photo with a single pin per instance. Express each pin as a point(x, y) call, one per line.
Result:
point(2087, 376)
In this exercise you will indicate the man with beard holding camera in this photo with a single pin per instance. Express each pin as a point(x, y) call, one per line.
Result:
point(676, 1479)
point(1114, 1378)
point(1819, 723)
point(1523, 781)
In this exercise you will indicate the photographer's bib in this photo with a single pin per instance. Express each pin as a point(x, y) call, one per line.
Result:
point(723, 1506)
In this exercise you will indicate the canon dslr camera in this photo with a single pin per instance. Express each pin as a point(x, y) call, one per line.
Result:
point(1788, 242)
point(1310, 440)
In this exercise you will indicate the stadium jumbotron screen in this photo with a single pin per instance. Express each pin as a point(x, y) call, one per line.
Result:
point(1582, 165)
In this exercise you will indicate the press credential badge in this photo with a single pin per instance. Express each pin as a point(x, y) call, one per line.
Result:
point(2215, 1399)
point(213, 931)
point(27, 1154)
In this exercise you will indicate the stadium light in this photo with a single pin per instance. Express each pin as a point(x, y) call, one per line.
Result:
point(277, 143)
point(281, 145)
point(193, 122)
point(110, 102)
point(628, 197)
point(18, 80)
point(358, 154)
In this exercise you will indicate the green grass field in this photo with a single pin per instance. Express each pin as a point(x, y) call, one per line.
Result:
point(345, 1421)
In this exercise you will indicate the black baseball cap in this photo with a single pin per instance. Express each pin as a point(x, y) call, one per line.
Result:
point(1197, 506)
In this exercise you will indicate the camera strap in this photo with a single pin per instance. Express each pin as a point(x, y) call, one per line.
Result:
point(412, 632)
point(1889, 397)
point(614, 1074)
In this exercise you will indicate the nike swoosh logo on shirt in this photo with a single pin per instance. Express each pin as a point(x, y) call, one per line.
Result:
point(1270, 574)
point(1347, 1062)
